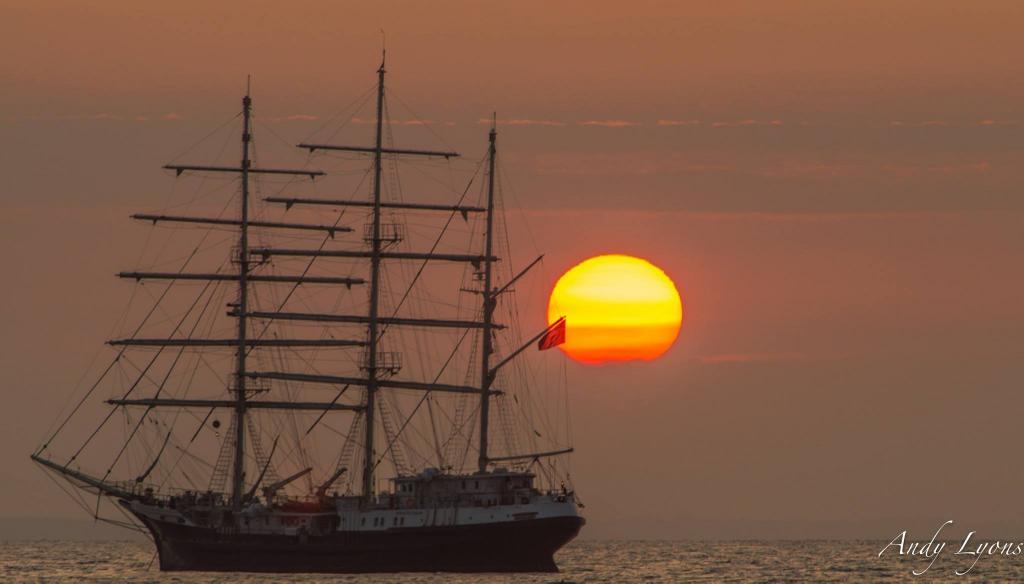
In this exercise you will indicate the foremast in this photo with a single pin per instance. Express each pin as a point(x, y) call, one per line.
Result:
point(238, 469)
point(240, 403)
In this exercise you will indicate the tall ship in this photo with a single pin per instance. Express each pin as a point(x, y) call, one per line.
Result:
point(310, 381)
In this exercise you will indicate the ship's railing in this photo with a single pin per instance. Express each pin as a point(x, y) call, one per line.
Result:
point(252, 386)
point(389, 362)
point(390, 233)
point(164, 494)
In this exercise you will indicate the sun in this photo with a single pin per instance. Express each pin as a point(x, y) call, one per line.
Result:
point(617, 308)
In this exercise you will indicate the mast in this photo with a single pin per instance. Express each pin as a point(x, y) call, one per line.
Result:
point(238, 476)
point(375, 253)
point(488, 303)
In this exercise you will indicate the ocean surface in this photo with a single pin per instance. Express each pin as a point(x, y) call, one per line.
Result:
point(583, 561)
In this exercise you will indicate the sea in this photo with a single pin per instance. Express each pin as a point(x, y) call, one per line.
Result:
point(580, 561)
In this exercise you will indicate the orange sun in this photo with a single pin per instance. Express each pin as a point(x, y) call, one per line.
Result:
point(617, 308)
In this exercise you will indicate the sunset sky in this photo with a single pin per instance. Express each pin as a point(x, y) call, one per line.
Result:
point(834, 187)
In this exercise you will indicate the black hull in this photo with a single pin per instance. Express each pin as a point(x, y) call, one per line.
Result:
point(518, 546)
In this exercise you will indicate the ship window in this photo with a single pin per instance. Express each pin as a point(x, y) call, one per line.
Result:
point(463, 485)
point(363, 522)
point(476, 484)
point(395, 521)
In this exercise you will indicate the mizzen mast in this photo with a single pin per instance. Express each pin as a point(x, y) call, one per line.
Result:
point(487, 346)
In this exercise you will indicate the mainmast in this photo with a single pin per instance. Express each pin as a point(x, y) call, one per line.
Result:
point(486, 376)
point(238, 476)
point(372, 333)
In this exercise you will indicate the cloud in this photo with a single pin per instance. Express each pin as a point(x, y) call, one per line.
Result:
point(997, 123)
point(294, 118)
point(521, 122)
point(919, 170)
point(608, 123)
point(923, 124)
point(678, 122)
point(737, 123)
point(105, 116)
point(413, 122)
point(141, 119)
point(625, 164)
point(969, 168)
point(731, 358)
point(172, 116)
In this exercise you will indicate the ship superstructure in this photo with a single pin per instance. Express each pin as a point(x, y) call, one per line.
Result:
point(241, 514)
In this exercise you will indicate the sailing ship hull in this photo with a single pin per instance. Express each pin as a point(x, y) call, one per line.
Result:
point(516, 546)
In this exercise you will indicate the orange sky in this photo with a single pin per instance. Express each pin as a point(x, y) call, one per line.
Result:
point(834, 187)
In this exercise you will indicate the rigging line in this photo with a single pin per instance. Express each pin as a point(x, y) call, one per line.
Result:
point(391, 92)
point(193, 458)
point(191, 380)
point(130, 524)
point(259, 181)
point(118, 356)
point(77, 386)
point(184, 451)
point(160, 388)
point(309, 265)
point(258, 122)
point(519, 207)
point(137, 330)
point(323, 413)
point(408, 419)
point(73, 494)
point(433, 431)
point(432, 178)
point(206, 137)
point(356, 105)
point(433, 248)
point(469, 442)
point(144, 371)
point(219, 185)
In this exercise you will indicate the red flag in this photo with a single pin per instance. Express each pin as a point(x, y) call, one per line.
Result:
point(554, 337)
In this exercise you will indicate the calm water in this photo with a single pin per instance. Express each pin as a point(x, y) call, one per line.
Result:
point(586, 561)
